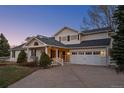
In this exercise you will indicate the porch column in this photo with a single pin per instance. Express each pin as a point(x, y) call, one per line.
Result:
point(56, 55)
point(107, 56)
point(28, 56)
point(46, 50)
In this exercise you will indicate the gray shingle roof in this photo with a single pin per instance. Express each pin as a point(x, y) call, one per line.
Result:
point(51, 41)
point(87, 43)
point(20, 47)
point(90, 43)
point(97, 30)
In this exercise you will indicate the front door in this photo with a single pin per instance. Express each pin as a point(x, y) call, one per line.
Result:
point(53, 54)
point(63, 55)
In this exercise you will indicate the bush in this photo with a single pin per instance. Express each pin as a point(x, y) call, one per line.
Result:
point(44, 60)
point(120, 68)
point(22, 57)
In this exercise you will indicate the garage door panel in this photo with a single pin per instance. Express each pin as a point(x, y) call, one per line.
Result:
point(88, 59)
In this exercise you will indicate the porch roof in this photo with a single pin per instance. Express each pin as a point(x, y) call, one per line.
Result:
point(20, 47)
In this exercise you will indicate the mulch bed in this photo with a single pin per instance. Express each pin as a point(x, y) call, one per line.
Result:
point(3, 65)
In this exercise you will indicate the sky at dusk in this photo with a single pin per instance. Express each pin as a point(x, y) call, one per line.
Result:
point(19, 22)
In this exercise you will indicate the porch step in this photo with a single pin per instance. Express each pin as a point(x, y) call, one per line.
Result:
point(55, 65)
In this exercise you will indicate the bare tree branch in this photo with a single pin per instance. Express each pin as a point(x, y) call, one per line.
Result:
point(99, 16)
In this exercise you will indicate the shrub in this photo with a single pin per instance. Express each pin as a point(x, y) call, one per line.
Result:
point(44, 60)
point(22, 57)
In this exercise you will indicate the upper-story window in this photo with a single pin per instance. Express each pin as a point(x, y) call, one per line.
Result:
point(60, 38)
point(74, 37)
point(68, 38)
point(36, 44)
point(64, 38)
point(78, 36)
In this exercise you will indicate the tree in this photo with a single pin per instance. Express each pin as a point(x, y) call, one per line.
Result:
point(44, 60)
point(118, 42)
point(4, 46)
point(98, 17)
point(22, 57)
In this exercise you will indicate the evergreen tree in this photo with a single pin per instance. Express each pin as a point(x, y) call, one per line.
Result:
point(118, 42)
point(44, 60)
point(4, 46)
point(22, 57)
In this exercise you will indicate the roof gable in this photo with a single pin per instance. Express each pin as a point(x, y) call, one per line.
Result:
point(33, 40)
point(65, 28)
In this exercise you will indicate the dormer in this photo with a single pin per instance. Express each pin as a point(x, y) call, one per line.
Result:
point(67, 36)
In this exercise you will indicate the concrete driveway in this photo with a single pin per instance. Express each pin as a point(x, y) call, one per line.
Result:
point(72, 76)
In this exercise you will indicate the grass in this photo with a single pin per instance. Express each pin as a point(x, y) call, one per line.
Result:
point(12, 73)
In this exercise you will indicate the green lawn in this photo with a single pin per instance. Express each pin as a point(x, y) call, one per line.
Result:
point(11, 73)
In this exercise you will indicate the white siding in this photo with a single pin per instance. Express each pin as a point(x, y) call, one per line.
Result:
point(67, 32)
point(94, 36)
point(14, 59)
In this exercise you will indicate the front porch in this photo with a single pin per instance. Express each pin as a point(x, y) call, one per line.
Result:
point(58, 55)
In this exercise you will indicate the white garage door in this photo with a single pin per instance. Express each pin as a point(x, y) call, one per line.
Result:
point(90, 57)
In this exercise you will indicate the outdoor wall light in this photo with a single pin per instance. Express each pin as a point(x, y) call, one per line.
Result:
point(102, 53)
point(68, 53)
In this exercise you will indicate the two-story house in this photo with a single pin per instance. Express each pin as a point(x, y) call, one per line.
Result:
point(90, 47)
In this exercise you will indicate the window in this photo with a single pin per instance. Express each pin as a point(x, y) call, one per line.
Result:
point(33, 52)
point(73, 37)
point(74, 53)
point(13, 54)
point(81, 53)
point(96, 53)
point(64, 38)
point(78, 36)
point(88, 53)
point(60, 39)
point(35, 43)
point(68, 38)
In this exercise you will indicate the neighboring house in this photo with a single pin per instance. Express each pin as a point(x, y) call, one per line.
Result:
point(90, 47)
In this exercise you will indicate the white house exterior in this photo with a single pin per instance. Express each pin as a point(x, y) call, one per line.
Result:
point(68, 45)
